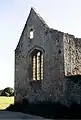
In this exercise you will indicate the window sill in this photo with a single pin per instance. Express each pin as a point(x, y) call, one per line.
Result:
point(36, 84)
point(35, 81)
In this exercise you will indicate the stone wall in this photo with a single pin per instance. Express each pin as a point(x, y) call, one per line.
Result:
point(72, 90)
point(51, 43)
point(62, 59)
point(78, 56)
point(72, 55)
point(72, 66)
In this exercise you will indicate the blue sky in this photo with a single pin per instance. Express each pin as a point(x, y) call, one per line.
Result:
point(64, 15)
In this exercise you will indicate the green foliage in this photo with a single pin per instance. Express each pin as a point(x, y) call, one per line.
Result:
point(1, 92)
point(7, 92)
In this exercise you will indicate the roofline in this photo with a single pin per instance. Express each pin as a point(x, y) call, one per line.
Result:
point(42, 20)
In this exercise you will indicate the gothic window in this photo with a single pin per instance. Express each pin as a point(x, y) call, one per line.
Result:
point(37, 65)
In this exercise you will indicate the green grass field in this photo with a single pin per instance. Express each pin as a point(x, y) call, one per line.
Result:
point(5, 102)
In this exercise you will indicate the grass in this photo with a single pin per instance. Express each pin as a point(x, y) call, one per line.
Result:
point(5, 102)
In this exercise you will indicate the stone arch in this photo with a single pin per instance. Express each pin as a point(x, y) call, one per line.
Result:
point(36, 60)
point(37, 48)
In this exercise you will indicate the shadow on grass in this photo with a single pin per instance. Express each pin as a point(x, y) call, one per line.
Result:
point(48, 109)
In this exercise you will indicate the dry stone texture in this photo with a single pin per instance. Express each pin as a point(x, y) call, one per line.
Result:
point(62, 59)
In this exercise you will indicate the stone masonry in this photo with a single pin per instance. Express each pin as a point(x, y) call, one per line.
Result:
point(62, 63)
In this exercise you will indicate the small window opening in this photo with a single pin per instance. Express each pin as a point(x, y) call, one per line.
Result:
point(31, 34)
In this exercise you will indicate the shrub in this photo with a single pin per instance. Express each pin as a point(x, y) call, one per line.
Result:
point(7, 92)
point(1, 92)
point(12, 94)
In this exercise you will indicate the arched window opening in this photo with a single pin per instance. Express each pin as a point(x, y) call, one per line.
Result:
point(37, 65)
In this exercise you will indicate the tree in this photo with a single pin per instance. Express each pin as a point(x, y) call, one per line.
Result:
point(8, 92)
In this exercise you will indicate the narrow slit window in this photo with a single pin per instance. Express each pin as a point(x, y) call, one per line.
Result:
point(31, 34)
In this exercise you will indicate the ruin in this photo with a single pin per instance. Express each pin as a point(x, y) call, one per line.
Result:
point(47, 63)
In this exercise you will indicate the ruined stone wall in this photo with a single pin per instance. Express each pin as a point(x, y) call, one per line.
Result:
point(56, 65)
point(62, 59)
point(72, 55)
point(72, 90)
point(51, 43)
point(69, 55)
point(72, 66)
point(78, 55)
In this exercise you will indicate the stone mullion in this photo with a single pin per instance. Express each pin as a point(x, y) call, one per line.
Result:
point(36, 66)
point(40, 66)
